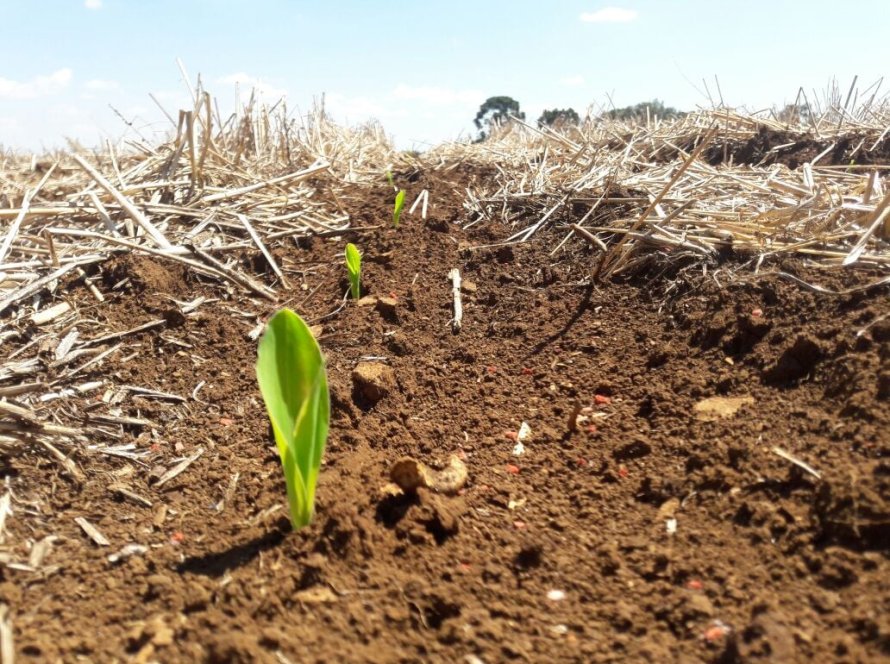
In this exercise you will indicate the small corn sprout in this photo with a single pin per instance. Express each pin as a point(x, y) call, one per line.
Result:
point(354, 268)
point(397, 209)
point(291, 374)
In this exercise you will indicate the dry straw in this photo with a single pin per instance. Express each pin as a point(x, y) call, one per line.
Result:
point(669, 190)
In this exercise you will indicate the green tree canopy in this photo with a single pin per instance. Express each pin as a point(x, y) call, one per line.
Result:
point(558, 117)
point(494, 111)
point(638, 111)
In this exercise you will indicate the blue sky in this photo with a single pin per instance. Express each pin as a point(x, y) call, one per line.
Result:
point(421, 68)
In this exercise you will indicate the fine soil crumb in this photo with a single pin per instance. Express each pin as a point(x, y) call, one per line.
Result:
point(796, 362)
point(388, 308)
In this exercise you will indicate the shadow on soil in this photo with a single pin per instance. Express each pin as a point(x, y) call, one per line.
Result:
point(217, 564)
point(393, 509)
point(583, 306)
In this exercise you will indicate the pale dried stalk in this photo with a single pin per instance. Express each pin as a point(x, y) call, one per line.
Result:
point(457, 321)
point(262, 247)
point(91, 531)
point(179, 468)
point(607, 259)
point(26, 204)
point(7, 644)
point(778, 451)
point(67, 463)
point(290, 178)
point(880, 214)
point(128, 207)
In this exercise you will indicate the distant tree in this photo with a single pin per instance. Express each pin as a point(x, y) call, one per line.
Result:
point(557, 117)
point(638, 111)
point(495, 111)
point(794, 114)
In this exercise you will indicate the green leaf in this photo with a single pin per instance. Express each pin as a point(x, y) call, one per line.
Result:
point(291, 374)
point(354, 268)
point(389, 179)
point(397, 210)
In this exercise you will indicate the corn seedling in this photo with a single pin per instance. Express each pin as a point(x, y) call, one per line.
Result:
point(354, 268)
point(390, 180)
point(397, 209)
point(291, 373)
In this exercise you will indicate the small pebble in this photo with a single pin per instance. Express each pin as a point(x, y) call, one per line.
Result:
point(556, 595)
point(716, 631)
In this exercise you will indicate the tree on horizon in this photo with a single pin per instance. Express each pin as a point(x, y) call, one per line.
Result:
point(495, 111)
point(655, 108)
point(558, 117)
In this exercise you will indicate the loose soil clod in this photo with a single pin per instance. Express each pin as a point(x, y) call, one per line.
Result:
point(715, 408)
point(411, 475)
point(372, 381)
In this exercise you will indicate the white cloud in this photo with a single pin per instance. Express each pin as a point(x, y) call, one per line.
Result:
point(404, 101)
point(39, 86)
point(93, 4)
point(177, 97)
point(572, 81)
point(172, 100)
point(247, 84)
point(8, 124)
point(610, 15)
point(98, 84)
point(437, 96)
point(355, 109)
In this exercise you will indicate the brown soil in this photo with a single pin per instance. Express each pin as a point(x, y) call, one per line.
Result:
point(560, 554)
point(793, 149)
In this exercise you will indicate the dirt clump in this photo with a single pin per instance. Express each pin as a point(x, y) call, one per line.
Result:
point(372, 381)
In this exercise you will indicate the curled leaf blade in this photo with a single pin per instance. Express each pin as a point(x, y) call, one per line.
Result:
point(354, 269)
point(291, 374)
point(397, 208)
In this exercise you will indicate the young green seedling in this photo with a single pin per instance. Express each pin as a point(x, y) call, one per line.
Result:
point(354, 268)
point(397, 210)
point(291, 373)
point(390, 180)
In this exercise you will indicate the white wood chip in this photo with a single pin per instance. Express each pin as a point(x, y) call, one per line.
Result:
point(48, 315)
point(179, 468)
point(92, 532)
